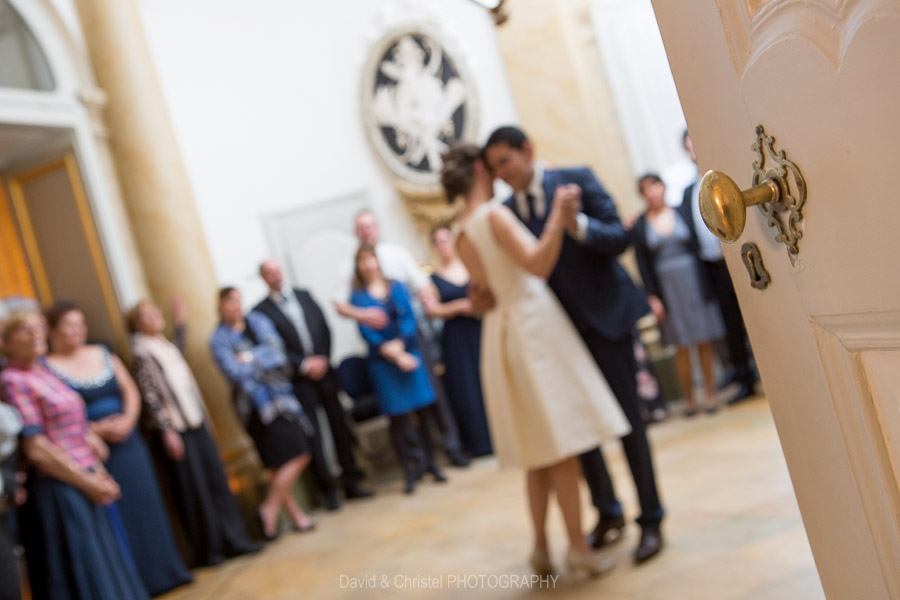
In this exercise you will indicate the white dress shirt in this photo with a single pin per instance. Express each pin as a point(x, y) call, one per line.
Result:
point(536, 191)
point(287, 302)
point(710, 246)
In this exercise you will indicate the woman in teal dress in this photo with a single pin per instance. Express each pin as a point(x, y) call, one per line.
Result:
point(113, 407)
point(396, 367)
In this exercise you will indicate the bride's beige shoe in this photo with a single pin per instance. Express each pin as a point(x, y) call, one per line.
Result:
point(593, 564)
point(540, 562)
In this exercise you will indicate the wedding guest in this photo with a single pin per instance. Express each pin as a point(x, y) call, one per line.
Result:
point(12, 495)
point(175, 412)
point(249, 354)
point(302, 327)
point(395, 363)
point(743, 373)
point(72, 548)
point(679, 293)
point(398, 264)
point(546, 399)
point(460, 344)
point(113, 407)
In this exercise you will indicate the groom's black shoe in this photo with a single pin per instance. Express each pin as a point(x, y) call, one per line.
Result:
point(607, 531)
point(650, 545)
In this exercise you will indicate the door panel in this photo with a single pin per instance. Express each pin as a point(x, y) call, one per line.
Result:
point(861, 357)
point(882, 369)
point(823, 77)
point(63, 249)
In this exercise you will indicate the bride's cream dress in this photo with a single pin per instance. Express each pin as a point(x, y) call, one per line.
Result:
point(545, 397)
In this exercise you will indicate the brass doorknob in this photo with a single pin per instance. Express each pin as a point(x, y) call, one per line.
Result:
point(723, 205)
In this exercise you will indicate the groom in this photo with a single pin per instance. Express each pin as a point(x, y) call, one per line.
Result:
point(604, 305)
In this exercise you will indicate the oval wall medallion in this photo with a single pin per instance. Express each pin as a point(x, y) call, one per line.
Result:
point(417, 99)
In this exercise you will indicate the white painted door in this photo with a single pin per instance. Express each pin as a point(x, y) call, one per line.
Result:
point(823, 77)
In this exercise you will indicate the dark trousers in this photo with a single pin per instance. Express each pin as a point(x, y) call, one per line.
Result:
point(9, 574)
point(208, 509)
point(443, 416)
point(324, 393)
point(735, 333)
point(616, 362)
point(411, 437)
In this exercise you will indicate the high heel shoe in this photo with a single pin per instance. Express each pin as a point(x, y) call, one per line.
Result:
point(540, 563)
point(308, 526)
point(593, 564)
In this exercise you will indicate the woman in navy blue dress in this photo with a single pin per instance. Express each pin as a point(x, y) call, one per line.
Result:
point(460, 345)
point(113, 406)
point(395, 364)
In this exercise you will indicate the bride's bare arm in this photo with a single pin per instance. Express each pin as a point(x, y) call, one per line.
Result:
point(537, 257)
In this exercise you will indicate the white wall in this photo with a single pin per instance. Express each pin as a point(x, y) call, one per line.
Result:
point(644, 91)
point(264, 96)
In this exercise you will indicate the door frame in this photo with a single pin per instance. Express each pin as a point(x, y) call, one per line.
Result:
point(14, 250)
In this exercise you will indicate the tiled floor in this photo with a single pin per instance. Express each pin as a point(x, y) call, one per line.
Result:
point(733, 532)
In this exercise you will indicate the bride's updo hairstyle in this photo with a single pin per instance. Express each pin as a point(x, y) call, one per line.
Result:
point(459, 169)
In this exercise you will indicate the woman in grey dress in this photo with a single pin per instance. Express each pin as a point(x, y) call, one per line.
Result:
point(680, 293)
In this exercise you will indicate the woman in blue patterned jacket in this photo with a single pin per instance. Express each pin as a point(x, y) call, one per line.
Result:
point(249, 354)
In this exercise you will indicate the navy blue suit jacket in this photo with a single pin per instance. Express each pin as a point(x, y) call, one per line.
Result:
point(591, 285)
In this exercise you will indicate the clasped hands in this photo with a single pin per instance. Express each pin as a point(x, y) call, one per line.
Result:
point(115, 428)
point(315, 367)
point(566, 206)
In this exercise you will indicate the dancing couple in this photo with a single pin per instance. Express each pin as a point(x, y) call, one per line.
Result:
point(557, 361)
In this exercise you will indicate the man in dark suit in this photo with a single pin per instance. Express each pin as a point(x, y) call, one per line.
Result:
point(710, 252)
point(604, 305)
point(307, 342)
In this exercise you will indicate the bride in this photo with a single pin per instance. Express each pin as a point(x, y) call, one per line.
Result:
point(546, 400)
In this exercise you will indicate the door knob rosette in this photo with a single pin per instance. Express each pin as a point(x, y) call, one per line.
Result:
point(779, 191)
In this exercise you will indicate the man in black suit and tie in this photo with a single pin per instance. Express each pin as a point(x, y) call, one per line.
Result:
point(307, 342)
point(604, 305)
point(742, 372)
